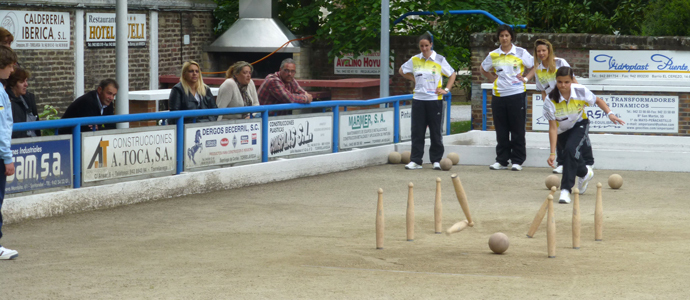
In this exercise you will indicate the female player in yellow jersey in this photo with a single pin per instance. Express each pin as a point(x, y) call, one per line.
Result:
point(425, 70)
point(564, 107)
point(546, 64)
point(502, 66)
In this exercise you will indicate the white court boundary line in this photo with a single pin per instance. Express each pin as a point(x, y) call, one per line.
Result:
point(408, 272)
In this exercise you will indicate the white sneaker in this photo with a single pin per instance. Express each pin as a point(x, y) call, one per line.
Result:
point(516, 167)
point(565, 197)
point(583, 182)
point(437, 166)
point(558, 170)
point(498, 166)
point(7, 253)
point(413, 166)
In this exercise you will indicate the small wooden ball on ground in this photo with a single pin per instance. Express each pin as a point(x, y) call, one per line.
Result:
point(405, 157)
point(615, 181)
point(446, 164)
point(394, 158)
point(498, 242)
point(552, 180)
point(454, 157)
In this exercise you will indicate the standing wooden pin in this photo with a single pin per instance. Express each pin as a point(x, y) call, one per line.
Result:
point(599, 216)
point(576, 219)
point(540, 215)
point(551, 229)
point(462, 198)
point(380, 224)
point(410, 214)
point(438, 209)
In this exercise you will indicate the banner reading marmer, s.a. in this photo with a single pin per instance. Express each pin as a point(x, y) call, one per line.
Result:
point(224, 143)
point(364, 128)
point(132, 152)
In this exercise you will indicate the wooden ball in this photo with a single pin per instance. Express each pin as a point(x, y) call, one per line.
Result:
point(405, 157)
point(454, 157)
point(552, 180)
point(498, 242)
point(394, 158)
point(615, 181)
point(446, 164)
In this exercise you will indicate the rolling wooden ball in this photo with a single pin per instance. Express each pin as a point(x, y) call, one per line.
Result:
point(454, 157)
point(615, 181)
point(552, 180)
point(394, 158)
point(498, 242)
point(446, 164)
point(405, 157)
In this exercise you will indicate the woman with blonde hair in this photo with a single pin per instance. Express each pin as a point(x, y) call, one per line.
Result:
point(191, 93)
point(238, 90)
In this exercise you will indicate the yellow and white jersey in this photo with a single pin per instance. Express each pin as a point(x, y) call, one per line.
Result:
point(507, 66)
point(427, 74)
point(546, 80)
point(567, 112)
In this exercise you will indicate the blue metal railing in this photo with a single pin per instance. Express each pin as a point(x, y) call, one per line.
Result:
point(76, 123)
point(454, 12)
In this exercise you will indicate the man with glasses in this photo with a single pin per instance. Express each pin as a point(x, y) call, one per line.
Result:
point(281, 87)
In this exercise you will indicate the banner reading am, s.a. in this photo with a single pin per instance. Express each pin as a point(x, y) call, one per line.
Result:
point(363, 128)
point(100, 30)
point(643, 114)
point(40, 163)
point(37, 29)
point(300, 134)
point(127, 152)
point(223, 143)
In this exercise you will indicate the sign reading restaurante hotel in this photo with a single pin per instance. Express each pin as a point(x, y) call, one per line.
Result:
point(100, 30)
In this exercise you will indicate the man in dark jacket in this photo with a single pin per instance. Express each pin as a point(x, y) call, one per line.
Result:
point(93, 104)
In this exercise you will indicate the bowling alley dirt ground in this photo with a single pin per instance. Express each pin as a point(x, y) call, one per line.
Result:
point(314, 238)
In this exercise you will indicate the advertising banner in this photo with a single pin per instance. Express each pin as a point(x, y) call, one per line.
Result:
point(641, 114)
point(642, 65)
point(365, 64)
point(362, 128)
point(223, 143)
point(100, 30)
point(306, 134)
point(406, 123)
point(127, 153)
point(37, 29)
point(40, 163)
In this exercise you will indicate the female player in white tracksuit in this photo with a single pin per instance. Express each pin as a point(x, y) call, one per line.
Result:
point(564, 107)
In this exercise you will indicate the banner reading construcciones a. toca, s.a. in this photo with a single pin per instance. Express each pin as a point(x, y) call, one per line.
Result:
point(223, 143)
point(299, 135)
point(127, 153)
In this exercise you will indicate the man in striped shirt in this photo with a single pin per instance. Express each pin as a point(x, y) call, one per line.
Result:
point(281, 87)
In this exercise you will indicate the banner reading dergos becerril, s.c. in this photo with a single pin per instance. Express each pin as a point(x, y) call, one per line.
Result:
point(37, 29)
point(127, 153)
point(224, 143)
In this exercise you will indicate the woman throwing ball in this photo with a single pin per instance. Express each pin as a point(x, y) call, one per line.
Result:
point(564, 107)
point(425, 70)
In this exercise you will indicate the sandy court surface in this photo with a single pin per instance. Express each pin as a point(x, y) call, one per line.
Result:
point(314, 238)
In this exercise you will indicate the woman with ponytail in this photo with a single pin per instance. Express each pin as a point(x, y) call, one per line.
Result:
point(238, 90)
point(564, 107)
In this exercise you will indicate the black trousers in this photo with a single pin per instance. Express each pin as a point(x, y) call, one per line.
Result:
point(573, 142)
point(3, 182)
point(510, 117)
point(586, 152)
point(427, 113)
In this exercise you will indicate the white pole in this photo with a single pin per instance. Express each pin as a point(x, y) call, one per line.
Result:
point(122, 60)
point(78, 53)
point(385, 48)
point(153, 51)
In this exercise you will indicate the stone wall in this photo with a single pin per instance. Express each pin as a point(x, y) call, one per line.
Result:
point(574, 48)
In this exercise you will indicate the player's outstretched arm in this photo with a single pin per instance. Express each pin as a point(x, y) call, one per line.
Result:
point(602, 104)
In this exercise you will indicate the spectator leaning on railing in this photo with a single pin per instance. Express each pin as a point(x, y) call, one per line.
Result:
point(7, 60)
point(238, 90)
point(23, 102)
point(281, 87)
point(94, 104)
point(191, 93)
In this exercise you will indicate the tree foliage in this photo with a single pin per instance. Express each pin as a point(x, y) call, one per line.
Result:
point(667, 18)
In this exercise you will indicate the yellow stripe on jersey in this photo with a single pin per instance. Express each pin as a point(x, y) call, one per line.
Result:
point(545, 76)
point(432, 67)
point(506, 61)
point(566, 108)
